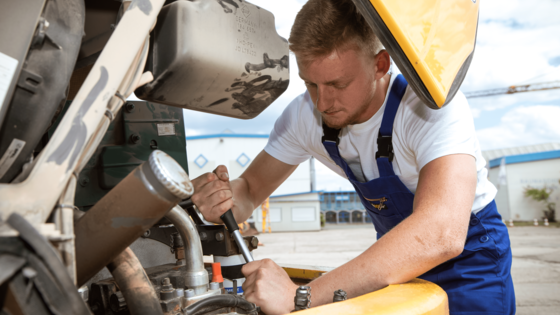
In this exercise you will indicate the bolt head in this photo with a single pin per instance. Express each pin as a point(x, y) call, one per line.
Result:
point(147, 234)
point(134, 139)
point(203, 236)
point(220, 236)
point(129, 107)
point(84, 181)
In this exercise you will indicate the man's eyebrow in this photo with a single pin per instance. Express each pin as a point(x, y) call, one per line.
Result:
point(332, 82)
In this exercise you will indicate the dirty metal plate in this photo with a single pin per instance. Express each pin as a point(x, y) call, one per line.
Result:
point(222, 57)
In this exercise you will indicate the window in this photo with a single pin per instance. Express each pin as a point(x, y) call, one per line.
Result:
point(303, 214)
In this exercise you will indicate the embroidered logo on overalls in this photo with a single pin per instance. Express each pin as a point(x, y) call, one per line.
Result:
point(381, 205)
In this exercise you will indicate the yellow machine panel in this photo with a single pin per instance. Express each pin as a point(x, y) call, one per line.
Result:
point(431, 41)
point(415, 297)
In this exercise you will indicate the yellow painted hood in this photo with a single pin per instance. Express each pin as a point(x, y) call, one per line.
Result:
point(431, 41)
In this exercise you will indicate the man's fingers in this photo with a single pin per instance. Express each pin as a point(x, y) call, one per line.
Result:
point(249, 282)
point(222, 172)
point(219, 196)
point(222, 208)
point(203, 180)
point(250, 268)
point(202, 192)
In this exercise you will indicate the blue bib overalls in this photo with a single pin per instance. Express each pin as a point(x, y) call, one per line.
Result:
point(478, 281)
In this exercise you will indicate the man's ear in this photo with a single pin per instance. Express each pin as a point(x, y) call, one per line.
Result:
point(383, 64)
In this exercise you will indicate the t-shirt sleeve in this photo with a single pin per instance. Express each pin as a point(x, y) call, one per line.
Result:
point(436, 133)
point(286, 142)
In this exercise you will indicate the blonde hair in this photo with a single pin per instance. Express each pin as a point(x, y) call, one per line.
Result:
point(323, 26)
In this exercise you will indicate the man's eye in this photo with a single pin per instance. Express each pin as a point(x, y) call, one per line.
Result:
point(310, 84)
point(340, 87)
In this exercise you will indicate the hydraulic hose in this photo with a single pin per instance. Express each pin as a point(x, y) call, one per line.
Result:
point(217, 302)
point(138, 292)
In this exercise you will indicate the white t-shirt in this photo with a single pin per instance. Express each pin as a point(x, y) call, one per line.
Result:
point(420, 135)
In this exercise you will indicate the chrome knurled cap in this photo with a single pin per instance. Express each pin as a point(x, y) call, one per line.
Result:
point(170, 174)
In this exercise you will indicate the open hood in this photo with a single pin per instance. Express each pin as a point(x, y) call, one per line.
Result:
point(431, 41)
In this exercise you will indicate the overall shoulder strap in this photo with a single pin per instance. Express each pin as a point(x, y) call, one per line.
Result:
point(385, 154)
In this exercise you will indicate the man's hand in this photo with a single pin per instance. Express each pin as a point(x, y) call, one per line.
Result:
point(269, 286)
point(213, 194)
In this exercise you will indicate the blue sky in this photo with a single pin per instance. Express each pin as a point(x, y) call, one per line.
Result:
point(518, 43)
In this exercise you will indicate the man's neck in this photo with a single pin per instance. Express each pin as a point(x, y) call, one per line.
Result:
point(378, 98)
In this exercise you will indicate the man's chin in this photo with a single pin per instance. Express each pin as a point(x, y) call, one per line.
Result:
point(334, 123)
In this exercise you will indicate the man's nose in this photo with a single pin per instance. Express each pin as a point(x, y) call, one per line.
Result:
point(323, 99)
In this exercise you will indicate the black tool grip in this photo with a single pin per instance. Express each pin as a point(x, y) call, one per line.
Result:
point(229, 221)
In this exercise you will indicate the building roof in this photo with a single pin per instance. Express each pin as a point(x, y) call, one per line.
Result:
point(296, 194)
point(530, 157)
point(490, 155)
point(227, 135)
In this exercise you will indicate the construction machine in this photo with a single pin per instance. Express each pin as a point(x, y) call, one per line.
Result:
point(94, 189)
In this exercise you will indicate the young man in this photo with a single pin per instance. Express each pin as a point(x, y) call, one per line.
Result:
point(419, 173)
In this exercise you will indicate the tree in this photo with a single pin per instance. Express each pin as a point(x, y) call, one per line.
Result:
point(542, 195)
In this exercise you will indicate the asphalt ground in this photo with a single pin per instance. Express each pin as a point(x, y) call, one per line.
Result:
point(535, 270)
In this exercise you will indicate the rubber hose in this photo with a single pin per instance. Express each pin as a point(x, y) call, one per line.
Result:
point(220, 301)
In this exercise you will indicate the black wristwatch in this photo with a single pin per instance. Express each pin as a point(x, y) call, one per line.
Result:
point(302, 300)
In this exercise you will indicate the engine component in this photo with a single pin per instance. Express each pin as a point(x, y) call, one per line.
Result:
point(231, 270)
point(214, 238)
point(232, 227)
point(196, 276)
point(215, 303)
point(225, 59)
point(170, 300)
point(43, 286)
point(134, 286)
point(127, 211)
point(15, 43)
point(173, 295)
point(42, 82)
point(340, 295)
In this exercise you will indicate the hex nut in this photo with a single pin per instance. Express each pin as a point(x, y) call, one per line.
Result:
point(214, 286)
point(254, 241)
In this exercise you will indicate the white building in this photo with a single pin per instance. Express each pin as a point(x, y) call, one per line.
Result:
point(536, 166)
point(293, 212)
point(293, 207)
point(236, 151)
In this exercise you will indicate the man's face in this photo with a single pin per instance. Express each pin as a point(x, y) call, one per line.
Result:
point(343, 86)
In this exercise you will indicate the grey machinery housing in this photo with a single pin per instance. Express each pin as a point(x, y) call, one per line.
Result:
point(220, 57)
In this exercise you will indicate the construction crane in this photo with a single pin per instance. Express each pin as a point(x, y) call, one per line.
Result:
point(516, 89)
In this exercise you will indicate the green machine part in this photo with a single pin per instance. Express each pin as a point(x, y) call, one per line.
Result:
point(138, 129)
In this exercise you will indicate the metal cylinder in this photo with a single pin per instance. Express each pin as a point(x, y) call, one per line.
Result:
point(242, 246)
point(127, 211)
point(136, 288)
point(196, 276)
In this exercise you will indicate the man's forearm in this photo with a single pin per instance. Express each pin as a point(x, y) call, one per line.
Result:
point(243, 204)
point(413, 247)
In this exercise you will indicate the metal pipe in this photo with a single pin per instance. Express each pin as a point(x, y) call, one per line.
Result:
point(134, 284)
point(127, 211)
point(196, 275)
